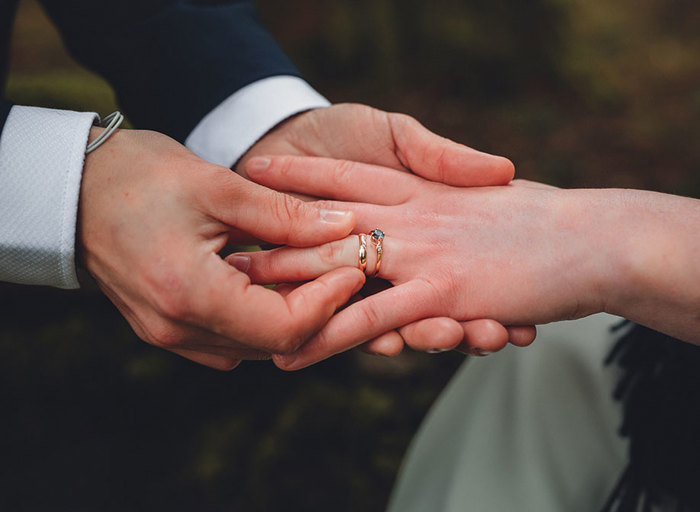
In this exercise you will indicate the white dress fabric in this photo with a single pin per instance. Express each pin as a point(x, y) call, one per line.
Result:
point(41, 161)
point(531, 429)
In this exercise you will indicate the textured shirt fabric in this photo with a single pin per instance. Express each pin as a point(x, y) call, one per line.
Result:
point(171, 64)
point(531, 429)
point(41, 161)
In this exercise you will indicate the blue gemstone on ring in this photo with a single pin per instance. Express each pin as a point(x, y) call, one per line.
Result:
point(377, 234)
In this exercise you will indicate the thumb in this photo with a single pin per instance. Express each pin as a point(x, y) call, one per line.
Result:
point(273, 216)
point(439, 159)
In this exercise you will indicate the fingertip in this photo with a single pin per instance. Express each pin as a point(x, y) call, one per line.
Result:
point(433, 334)
point(389, 344)
point(341, 223)
point(338, 217)
point(507, 168)
point(485, 334)
point(494, 170)
point(468, 167)
point(239, 261)
point(257, 166)
point(288, 363)
point(317, 226)
point(446, 334)
point(522, 335)
point(349, 275)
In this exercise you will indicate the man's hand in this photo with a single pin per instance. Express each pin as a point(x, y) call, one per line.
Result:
point(358, 133)
point(351, 134)
point(152, 219)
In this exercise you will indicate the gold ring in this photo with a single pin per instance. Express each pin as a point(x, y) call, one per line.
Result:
point(377, 236)
point(362, 265)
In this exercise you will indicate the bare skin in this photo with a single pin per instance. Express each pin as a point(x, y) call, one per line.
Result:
point(152, 218)
point(348, 133)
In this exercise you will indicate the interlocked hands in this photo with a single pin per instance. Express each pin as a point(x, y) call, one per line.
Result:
point(153, 218)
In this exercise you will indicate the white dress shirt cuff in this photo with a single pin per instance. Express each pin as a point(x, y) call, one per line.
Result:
point(228, 131)
point(41, 161)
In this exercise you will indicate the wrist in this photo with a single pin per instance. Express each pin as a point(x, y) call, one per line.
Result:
point(627, 248)
point(655, 257)
point(597, 266)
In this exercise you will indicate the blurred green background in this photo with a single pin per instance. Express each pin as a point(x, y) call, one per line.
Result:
point(578, 93)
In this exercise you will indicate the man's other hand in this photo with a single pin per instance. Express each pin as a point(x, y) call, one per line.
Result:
point(152, 220)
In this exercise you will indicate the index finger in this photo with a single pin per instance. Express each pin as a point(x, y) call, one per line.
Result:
point(264, 319)
point(333, 179)
point(363, 321)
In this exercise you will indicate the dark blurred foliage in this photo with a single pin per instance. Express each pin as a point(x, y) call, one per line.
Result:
point(94, 419)
point(576, 92)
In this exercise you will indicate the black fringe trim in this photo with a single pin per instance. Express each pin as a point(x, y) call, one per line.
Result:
point(660, 393)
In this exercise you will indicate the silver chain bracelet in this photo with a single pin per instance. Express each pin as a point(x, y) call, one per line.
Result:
point(110, 125)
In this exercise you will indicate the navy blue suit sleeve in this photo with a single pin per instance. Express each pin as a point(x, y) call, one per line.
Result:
point(7, 14)
point(170, 61)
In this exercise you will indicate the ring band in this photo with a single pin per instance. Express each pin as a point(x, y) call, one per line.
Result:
point(362, 264)
point(377, 236)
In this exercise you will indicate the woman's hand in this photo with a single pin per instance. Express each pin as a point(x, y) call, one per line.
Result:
point(442, 253)
point(520, 254)
point(359, 133)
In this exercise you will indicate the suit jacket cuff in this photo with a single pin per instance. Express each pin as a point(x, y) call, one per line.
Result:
point(228, 131)
point(41, 161)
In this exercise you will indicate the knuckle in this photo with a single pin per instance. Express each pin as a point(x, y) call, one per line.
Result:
point(175, 306)
point(170, 293)
point(289, 343)
point(343, 171)
point(368, 315)
point(287, 338)
point(403, 124)
point(438, 294)
point(166, 335)
point(287, 207)
point(285, 166)
point(401, 120)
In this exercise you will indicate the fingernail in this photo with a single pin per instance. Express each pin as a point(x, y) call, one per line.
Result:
point(479, 352)
point(240, 262)
point(258, 164)
point(334, 216)
point(436, 350)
